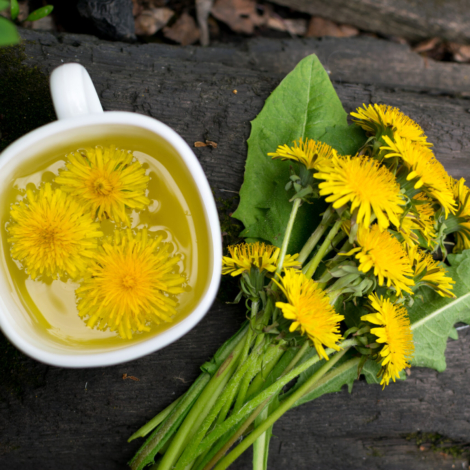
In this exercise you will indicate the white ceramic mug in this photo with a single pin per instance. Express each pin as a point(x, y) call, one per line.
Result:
point(80, 113)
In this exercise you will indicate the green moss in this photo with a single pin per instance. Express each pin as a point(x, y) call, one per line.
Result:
point(438, 443)
point(375, 453)
point(25, 101)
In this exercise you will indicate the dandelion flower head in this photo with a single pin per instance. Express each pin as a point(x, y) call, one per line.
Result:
point(430, 272)
point(131, 283)
point(420, 221)
point(259, 255)
point(51, 234)
point(369, 187)
point(310, 311)
point(431, 176)
point(311, 153)
point(462, 215)
point(105, 180)
point(384, 254)
point(394, 332)
point(378, 117)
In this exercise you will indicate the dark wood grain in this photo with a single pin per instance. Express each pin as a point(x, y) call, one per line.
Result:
point(80, 419)
point(417, 19)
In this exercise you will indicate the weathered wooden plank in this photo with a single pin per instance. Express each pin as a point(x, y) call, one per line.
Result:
point(362, 60)
point(417, 19)
point(79, 419)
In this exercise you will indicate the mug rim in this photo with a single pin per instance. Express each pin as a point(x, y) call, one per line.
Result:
point(163, 339)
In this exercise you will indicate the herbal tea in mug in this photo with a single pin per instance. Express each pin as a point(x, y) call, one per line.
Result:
point(105, 241)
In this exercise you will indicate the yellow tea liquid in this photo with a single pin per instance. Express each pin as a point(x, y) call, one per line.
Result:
point(175, 210)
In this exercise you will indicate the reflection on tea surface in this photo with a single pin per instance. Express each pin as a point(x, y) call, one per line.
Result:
point(175, 213)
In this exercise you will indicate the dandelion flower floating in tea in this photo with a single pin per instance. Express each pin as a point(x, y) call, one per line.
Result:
point(131, 283)
point(51, 234)
point(394, 332)
point(106, 181)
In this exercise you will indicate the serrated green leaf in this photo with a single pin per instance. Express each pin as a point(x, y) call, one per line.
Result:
point(433, 320)
point(14, 9)
point(8, 32)
point(304, 104)
point(454, 334)
point(40, 13)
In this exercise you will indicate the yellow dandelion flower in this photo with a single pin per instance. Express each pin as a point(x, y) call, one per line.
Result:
point(431, 176)
point(106, 181)
point(311, 153)
point(429, 272)
point(131, 283)
point(394, 332)
point(384, 254)
point(421, 221)
point(459, 223)
point(378, 117)
point(247, 255)
point(369, 187)
point(310, 311)
point(51, 235)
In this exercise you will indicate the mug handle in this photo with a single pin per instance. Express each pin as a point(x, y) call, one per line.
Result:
point(73, 92)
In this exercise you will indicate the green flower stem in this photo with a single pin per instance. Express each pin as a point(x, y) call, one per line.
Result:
point(335, 373)
point(297, 357)
point(240, 431)
point(245, 383)
point(201, 408)
point(261, 445)
point(316, 235)
point(188, 455)
point(268, 357)
point(285, 242)
point(259, 401)
point(285, 406)
point(268, 366)
point(249, 333)
point(153, 423)
point(313, 265)
point(161, 435)
point(340, 237)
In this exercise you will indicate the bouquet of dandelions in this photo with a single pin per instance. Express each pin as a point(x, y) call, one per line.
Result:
point(364, 294)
